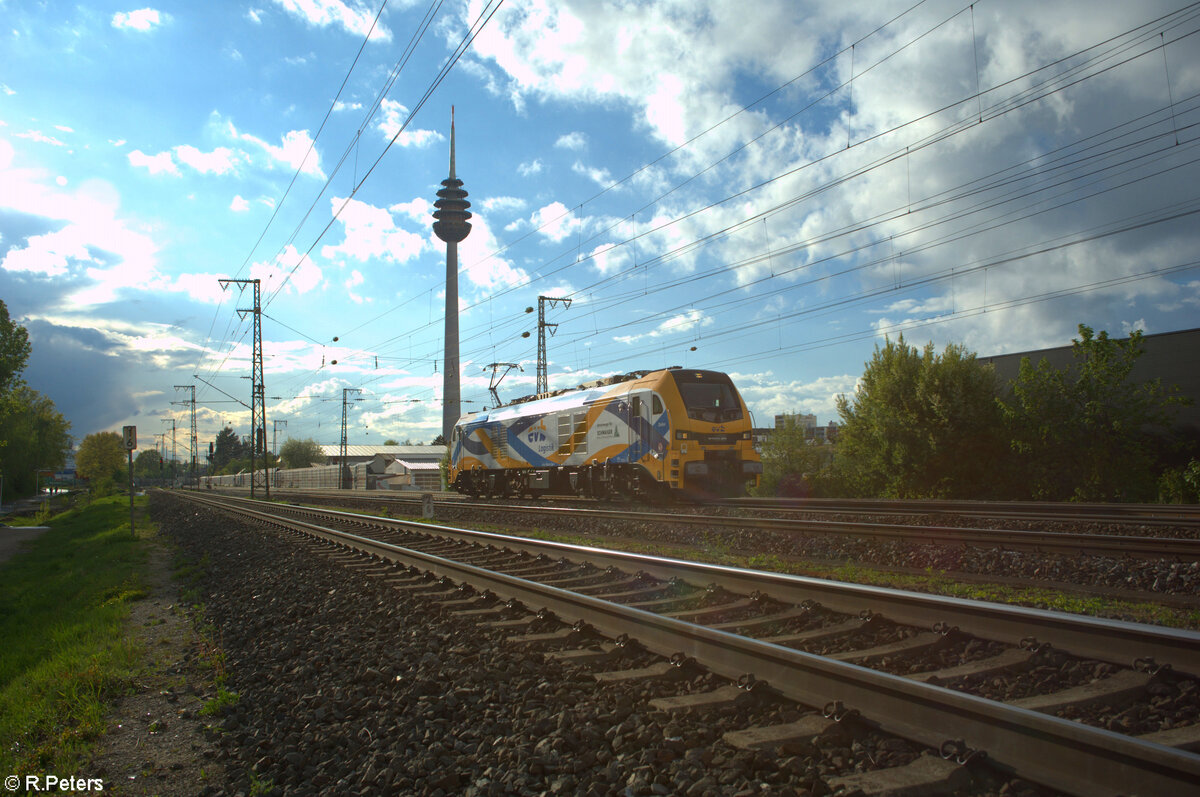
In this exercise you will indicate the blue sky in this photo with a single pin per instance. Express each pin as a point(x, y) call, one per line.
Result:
point(765, 193)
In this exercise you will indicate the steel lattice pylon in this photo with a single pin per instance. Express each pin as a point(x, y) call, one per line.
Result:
point(194, 442)
point(345, 468)
point(258, 399)
point(543, 377)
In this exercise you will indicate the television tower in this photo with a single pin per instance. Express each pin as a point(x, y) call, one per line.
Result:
point(451, 226)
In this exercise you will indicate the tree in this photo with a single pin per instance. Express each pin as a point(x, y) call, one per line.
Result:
point(1087, 432)
point(300, 453)
point(36, 437)
point(149, 464)
point(33, 434)
point(921, 425)
point(101, 459)
point(390, 442)
point(440, 440)
point(227, 448)
point(14, 350)
point(793, 465)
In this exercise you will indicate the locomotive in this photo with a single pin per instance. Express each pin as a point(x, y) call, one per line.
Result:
point(647, 435)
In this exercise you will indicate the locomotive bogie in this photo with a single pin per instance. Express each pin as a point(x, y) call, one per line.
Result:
point(643, 436)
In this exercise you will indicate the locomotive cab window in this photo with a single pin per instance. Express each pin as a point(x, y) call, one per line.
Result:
point(656, 405)
point(708, 396)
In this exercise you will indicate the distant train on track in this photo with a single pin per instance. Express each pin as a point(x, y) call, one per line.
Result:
point(646, 435)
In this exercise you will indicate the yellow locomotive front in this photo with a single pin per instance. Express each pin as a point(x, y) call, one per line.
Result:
point(711, 450)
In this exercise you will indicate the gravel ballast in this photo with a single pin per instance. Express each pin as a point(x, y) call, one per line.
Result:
point(347, 685)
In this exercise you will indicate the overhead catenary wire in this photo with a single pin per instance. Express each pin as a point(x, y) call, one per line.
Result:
point(1018, 193)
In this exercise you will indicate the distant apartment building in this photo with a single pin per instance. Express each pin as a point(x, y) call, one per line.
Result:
point(808, 422)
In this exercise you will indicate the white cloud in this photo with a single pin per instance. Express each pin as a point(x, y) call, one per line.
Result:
point(142, 20)
point(162, 163)
point(609, 258)
point(503, 204)
point(572, 141)
point(371, 232)
point(300, 272)
point(394, 115)
point(555, 221)
point(49, 255)
point(356, 278)
point(204, 288)
point(254, 15)
point(353, 16)
point(295, 149)
point(601, 177)
point(40, 137)
point(219, 161)
point(530, 168)
point(683, 322)
point(239, 205)
point(770, 395)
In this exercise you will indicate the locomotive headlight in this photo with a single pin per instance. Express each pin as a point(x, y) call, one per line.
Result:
point(681, 435)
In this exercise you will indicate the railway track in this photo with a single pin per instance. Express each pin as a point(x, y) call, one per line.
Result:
point(914, 665)
point(1181, 549)
point(1133, 514)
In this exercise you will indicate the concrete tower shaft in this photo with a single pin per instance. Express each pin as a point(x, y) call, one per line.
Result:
point(451, 226)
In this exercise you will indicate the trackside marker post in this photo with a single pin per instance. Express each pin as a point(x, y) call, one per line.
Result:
point(130, 444)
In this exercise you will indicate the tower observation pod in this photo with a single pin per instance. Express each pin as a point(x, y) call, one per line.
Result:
point(451, 226)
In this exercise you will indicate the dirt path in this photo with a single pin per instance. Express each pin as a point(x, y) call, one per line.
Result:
point(157, 742)
point(13, 537)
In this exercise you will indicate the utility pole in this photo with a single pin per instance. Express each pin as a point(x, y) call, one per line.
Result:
point(275, 436)
point(192, 401)
point(276, 423)
point(172, 420)
point(346, 391)
point(543, 380)
point(494, 381)
point(258, 399)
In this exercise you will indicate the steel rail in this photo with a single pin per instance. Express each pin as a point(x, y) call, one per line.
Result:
point(1124, 514)
point(1069, 756)
point(1042, 541)
point(1116, 513)
point(1114, 641)
point(1066, 543)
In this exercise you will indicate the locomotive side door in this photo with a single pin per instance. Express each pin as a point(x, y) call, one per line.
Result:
point(636, 427)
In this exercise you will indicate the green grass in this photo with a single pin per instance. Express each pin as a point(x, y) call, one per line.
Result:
point(64, 654)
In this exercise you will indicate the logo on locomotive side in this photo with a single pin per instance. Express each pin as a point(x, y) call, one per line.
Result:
point(537, 432)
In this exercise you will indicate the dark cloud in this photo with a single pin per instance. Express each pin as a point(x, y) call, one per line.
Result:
point(77, 369)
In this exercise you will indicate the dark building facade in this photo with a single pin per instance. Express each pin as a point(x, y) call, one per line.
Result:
point(1173, 357)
